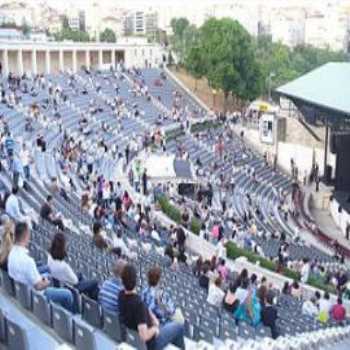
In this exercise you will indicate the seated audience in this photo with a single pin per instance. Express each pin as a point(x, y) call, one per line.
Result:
point(46, 212)
point(269, 315)
point(7, 241)
point(203, 277)
point(134, 314)
point(157, 301)
point(61, 271)
point(338, 311)
point(310, 308)
point(22, 268)
point(295, 290)
point(110, 289)
point(13, 208)
point(98, 237)
point(231, 302)
point(324, 308)
point(215, 293)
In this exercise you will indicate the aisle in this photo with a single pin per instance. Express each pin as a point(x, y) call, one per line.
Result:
point(344, 345)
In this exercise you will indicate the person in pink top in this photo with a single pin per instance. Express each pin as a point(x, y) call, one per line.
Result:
point(338, 311)
point(223, 270)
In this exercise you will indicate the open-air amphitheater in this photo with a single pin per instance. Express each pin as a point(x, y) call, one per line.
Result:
point(92, 108)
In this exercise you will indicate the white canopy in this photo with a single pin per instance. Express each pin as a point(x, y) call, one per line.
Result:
point(160, 166)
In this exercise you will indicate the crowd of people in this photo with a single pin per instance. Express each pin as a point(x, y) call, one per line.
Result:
point(151, 312)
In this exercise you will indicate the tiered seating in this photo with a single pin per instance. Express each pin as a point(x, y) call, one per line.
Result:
point(203, 321)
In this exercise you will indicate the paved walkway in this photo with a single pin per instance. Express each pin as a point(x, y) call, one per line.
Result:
point(343, 345)
point(323, 217)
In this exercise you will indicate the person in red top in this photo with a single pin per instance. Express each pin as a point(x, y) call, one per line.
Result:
point(338, 311)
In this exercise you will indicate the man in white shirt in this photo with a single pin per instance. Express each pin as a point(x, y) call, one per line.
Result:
point(305, 271)
point(22, 268)
point(118, 242)
point(25, 159)
point(12, 207)
point(215, 293)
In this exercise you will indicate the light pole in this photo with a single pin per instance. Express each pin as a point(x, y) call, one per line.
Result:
point(271, 75)
point(214, 97)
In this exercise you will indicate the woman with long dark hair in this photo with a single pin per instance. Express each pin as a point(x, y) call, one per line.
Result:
point(62, 272)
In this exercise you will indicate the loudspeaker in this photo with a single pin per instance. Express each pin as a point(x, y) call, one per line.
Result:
point(339, 142)
point(186, 190)
point(333, 143)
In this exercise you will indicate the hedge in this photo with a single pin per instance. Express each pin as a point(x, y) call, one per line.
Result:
point(235, 252)
point(195, 226)
point(170, 210)
point(319, 283)
point(208, 124)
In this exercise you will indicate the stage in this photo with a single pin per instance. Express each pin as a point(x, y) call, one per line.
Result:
point(340, 211)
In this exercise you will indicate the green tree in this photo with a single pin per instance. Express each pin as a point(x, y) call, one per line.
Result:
point(65, 22)
point(73, 35)
point(229, 59)
point(195, 64)
point(25, 27)
point(178, 25)
point(108, 36)
point(286, 64)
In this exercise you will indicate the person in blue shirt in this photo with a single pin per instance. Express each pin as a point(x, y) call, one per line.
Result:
point(9, 145)
point(156, 300)
point(17, 170)
point(109, 292)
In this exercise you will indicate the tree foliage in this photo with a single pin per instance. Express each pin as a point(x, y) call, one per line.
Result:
point(286, 64)
point(108, 36)
point(224, 54)
point(70, 34)
point(178, 25)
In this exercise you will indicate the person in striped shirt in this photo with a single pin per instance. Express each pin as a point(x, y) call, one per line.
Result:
point(109, 292)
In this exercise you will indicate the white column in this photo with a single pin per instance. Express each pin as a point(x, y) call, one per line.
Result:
point(34, 63)
point(47, 62)
point(20, 62)
point(100, 59)
point(113, 58)
point(5, 61)
point(75, 67)
point(87, 59)
point(61, 60)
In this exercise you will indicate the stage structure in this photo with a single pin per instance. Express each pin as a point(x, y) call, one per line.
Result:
point(322, 97)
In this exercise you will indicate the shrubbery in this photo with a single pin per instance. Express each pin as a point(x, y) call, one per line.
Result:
point(208, 124)
point(170, 210)
point(195, 226)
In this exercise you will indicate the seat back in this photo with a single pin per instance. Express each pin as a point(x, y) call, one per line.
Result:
point(133, 338)
point(91, 312)
point(84, 338)
point(62, 322)
point(22, 293)
point(2, 328)
point(7, 283)
point(111, 326)
point(41, 307)
point(16, 336)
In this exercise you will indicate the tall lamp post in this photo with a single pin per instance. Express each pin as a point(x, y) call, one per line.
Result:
point(214, 97)
point(271, 75)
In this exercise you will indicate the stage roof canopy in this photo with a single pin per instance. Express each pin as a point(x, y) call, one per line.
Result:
point(326, 87)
